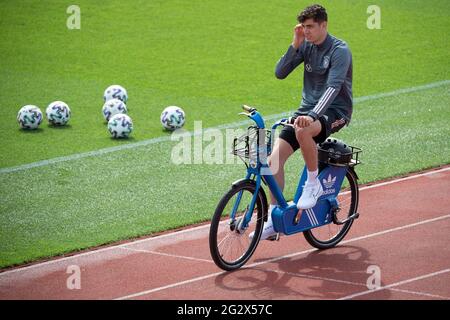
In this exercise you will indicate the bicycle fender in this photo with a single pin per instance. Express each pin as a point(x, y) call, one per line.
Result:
point(237, 182)
point(354, 172)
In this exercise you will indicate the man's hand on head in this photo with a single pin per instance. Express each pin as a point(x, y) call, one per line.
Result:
point(299, 36)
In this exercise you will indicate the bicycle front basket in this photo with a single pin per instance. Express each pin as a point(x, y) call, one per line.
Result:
point(248, 146)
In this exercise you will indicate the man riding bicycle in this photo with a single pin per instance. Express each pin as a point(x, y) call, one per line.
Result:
point(326, 105)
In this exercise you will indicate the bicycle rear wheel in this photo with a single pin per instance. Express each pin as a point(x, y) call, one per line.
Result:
point(331, 234)
point(230, 246)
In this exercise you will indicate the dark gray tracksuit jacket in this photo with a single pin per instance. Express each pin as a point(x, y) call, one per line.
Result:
point(327, 81)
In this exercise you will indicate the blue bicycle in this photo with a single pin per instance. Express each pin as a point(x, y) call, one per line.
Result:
point(243, 209)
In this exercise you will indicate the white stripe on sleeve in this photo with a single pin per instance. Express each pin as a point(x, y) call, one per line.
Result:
point(324, 100)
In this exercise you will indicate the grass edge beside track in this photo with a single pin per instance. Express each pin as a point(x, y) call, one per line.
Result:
point(130, 240)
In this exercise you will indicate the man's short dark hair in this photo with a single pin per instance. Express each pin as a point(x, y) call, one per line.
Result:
point(315, 12)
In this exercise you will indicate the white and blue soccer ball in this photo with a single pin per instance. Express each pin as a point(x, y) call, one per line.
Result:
point(173, 118)
point(29, 117)
point(115, 92)
point(113, 107)
point(120, 126)
point(58, 113)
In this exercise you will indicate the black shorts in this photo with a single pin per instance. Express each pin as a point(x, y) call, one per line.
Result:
point(331, 122)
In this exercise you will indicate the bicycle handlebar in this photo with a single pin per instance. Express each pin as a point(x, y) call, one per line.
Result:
point(253, 114)
point(286, 122)
point(248, 109)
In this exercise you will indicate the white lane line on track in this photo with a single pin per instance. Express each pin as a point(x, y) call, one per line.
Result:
point(284, 257)
point(171, 285)
point(168, 255)
point(396, 284)
point(302, 275)
point(179, 233)
point(143, 143)
point(381, 184)
point(418, 293)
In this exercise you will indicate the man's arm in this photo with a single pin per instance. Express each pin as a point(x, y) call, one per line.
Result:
point(293, 57)
point(340, 62)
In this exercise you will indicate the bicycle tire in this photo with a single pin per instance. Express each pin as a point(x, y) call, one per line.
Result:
point(261, 210)
point(330, 243)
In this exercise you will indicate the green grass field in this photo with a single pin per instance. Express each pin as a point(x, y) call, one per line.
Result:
point(209, 58)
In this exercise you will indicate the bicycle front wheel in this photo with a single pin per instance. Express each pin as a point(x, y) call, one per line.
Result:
point(331, 234)
point(230, 246)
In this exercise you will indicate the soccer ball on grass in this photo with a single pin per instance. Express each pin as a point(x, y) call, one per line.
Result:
point(113, 107)
point(172, 118)
point(58, 113)
point(29, 117)
point(120, 126)
point(115, 92)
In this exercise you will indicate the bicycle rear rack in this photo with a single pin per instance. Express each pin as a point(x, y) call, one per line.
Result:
point(336, 158)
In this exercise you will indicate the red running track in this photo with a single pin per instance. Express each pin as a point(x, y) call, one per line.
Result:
point(403, 234)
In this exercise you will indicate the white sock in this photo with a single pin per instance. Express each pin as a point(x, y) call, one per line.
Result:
point(312, 176)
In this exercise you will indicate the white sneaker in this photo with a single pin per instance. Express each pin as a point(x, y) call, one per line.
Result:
point(311, 193)
point(268, 232)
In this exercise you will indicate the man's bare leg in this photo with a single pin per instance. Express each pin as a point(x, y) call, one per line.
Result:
point(312, 189)
point(308, 146)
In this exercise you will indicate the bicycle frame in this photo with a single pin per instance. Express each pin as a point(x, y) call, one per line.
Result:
point(286, 217)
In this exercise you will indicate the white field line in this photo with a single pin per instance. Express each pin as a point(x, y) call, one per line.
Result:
point(143, 143)
point(178, 234)
point(395, 284)
point(290, 256)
